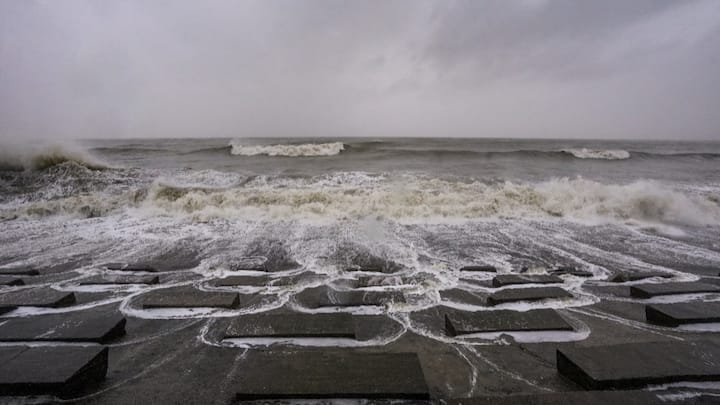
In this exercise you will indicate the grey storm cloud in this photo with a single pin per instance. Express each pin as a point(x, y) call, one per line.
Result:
point(526, 68)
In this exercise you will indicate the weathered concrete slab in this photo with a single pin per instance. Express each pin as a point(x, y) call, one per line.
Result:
point(186, 297)
point(683, 313)
point(567, 398)
point(5, 310)
point(325, 296)
point(458, 295)
point(632, 365)
point(246, 281)
point(464, 323)
point(638, 275)
point(51, 370)
point(654, 290)
point(480, 268)
point(526, 294)
point(338, 325)
point(295, 280)
point(123, 279)
point(331, 374)
point(11, 281)
point(510, 279)
point(482, 283)
point(702, 270)
point(37, 297)
point(19, 271)
point(56, 370)
point(131, 267)
point(571, 271)
point(85, 326)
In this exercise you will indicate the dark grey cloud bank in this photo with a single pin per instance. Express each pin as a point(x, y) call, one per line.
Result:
point(527, 68)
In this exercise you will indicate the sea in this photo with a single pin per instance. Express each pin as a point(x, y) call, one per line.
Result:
point(320, 205)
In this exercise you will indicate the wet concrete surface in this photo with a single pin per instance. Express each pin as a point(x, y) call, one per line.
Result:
point(297, 336)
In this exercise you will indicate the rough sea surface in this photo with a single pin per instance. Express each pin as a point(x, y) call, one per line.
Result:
point(424, 206)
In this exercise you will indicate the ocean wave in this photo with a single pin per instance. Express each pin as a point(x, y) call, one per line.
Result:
point(307, 149)
point(408, 198)
point(608, 154)
point(391, 150)
point(18, 158)
point(437, 200)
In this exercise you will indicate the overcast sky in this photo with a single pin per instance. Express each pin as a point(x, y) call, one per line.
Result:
point(526, 68)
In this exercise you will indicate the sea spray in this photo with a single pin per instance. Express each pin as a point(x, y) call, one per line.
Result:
point(15, 157)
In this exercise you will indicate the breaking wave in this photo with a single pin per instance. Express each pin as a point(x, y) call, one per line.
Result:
point(406, 198)
point(307, 149)
point(39, 158)
point(440, 200)
point(608, 154)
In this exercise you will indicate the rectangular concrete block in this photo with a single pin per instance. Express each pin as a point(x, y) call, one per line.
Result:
point(526, 294)
point(571, 271)
point(480, 268)
point(186, 297)
point(510, 279)
point(131, 267)
point(247, 281)
point(461, 296)
point(567, 398)
point(5, 310)
point(634, 365)
point(638, 275)
point(338, 325)
point(11, 281)
point(51, 370)
point(19, 271)
point(82, 326)
point(464, 323)
point(255, 263)
point(682, 313)
point(331, 374)
point(121, 280)
point(654, 290)
point(37, 297)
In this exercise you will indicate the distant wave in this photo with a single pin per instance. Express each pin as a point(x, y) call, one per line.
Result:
point(238, 147)
point(14, 158)
point(307, 149)
point(608, 154)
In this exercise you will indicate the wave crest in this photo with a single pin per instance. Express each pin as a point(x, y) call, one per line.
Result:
point(608, 154)
point(306, 149)
point(437, 200)
point(405, 198)
point(39, 158)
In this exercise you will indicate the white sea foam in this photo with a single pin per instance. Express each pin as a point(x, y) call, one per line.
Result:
point(408, 198)
point(306, 149)
point(608, 154)
point(440, 200)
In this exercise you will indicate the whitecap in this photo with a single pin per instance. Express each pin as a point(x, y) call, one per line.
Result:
point(289, 150)
point(608, 154)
